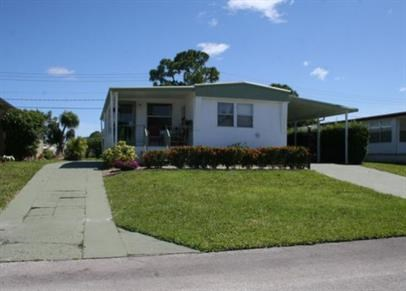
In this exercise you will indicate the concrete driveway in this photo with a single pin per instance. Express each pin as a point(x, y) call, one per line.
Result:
point(63, 213)
point(361, 265)
point(377, 180)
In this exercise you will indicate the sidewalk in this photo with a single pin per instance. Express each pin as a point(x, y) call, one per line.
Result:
point(63, 213)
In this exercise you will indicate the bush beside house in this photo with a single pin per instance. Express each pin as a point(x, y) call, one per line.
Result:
point(333, 142)
point(119, 153)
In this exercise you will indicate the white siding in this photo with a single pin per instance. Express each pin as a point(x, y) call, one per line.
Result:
point(269, 124)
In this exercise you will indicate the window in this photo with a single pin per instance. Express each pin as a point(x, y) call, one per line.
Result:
point(244, 115)
point(380, 131)
point(225, 114)
point(402, 130)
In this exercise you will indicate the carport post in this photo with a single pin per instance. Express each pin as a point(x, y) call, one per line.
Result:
point(346, 137)
point(318, 141)
point(295, 133)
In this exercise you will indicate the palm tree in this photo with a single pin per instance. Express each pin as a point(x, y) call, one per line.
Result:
point(61, 131)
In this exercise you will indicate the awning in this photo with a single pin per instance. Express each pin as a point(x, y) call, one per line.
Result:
point(300, 109)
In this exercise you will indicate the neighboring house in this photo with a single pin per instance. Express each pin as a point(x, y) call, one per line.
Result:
point(4, 106)
point(387, 137)
point(220, 114)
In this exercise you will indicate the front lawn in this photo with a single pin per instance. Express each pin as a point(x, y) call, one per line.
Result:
point(223, 210)
point(397, 169)
point(14, 175)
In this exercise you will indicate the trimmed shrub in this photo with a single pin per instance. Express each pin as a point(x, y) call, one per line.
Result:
point(250, 158)
point(120, 152)
point(75, 149)
point(203, 157)
point(231, 156)
point(333, 143)
point(178, 156)
point(155, 159)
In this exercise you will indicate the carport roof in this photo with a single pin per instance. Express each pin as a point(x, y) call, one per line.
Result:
point(301, 109)
point(298, 109)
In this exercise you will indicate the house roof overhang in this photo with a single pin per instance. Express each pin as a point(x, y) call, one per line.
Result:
point(299, 109)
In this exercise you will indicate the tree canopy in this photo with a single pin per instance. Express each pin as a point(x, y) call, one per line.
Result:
point(24, 129)
point(286, 87)
point(187, 68)
point(60, 131)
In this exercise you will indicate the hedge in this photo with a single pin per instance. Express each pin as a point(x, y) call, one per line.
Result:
point(201, 157)
point(333, 142)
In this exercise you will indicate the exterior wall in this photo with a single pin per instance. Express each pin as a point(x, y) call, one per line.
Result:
point(269, 124)
point(385, 147)
point(394, 151)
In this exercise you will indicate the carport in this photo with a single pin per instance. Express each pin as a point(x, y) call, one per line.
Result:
point(302, 109)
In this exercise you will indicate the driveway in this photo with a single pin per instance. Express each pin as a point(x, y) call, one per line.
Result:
point(377, 180)
point(361, 265)
point(63, 213)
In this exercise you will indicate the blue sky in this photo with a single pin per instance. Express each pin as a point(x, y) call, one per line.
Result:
point(347, 52)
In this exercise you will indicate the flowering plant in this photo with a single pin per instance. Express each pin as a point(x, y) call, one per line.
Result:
point(126, 165)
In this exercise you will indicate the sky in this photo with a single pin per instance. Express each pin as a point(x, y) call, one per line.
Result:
point(64, 54)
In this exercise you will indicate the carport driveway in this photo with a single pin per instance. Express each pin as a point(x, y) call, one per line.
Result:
point(377, 180)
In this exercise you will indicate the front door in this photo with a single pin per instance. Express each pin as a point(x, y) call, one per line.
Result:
point(159, 118)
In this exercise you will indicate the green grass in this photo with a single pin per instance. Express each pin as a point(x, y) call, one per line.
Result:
point(13, 176)
point(397, 169)
point(223, 210)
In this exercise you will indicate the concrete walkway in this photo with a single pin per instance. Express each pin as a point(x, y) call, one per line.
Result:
point(377, 180)
point(63, 213)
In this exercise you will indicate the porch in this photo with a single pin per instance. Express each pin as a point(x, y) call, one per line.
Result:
point(149, 121)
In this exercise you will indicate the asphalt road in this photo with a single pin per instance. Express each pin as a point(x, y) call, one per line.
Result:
point(361, 265)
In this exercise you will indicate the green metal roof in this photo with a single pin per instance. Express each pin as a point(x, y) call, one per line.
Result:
point(298, 109)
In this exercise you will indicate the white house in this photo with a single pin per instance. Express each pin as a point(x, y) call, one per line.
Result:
point(387, 137)
point(220, 114)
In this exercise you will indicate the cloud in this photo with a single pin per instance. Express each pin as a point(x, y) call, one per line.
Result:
point(60, 72)
point(213, 22)
point(306, 63)
point(267, 7)
point(320, 73)
point(402, 89)
point(212, 48)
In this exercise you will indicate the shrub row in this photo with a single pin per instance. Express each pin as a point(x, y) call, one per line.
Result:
point(333, 142)
point(204, 157)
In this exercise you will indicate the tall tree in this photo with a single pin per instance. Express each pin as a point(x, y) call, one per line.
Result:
point(187, 68)
point(286, 87)
point(62, 129)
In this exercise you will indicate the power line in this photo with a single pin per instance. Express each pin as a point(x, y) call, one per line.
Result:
point(57, 99)
point(60, 107)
